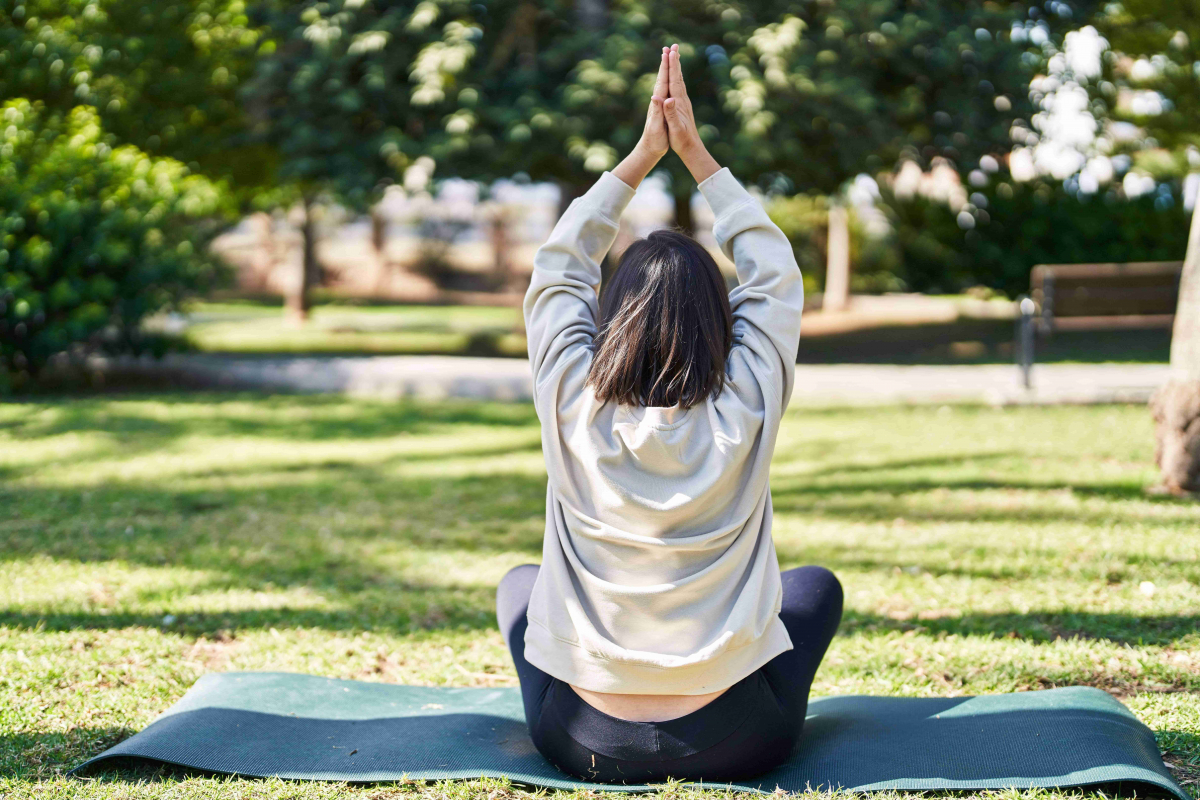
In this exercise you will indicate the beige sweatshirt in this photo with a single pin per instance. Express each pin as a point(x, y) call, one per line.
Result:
point(659, 575)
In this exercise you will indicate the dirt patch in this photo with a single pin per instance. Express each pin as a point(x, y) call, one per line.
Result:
point(1119, 686)
point(214, 654)
point(1188, 775)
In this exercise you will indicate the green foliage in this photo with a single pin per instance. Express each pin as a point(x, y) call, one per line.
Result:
point(1167, 34)
point(1020, 225)
point(834, 89)
point(349, 93)
point(162, 76)
point(792, 95)
point(94, 237)
point(804, 219)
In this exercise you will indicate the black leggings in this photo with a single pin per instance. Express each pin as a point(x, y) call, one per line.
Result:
point(748, 730)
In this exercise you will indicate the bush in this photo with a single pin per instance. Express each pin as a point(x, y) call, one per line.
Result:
point(93, 238)
point(1016, 226)
point(804, 219)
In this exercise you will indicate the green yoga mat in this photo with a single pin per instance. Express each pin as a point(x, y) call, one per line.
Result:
point(260, 724)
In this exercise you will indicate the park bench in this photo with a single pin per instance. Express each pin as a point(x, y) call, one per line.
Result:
point(1083, 297)
point(1093, 297)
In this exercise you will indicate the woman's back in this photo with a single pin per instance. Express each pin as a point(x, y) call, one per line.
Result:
point(659, 575)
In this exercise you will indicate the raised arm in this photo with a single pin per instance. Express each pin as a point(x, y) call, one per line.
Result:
point(561, 304)
point(769, 296)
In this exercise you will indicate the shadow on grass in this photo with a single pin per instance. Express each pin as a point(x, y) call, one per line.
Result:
point(287, 536)
point(475, 611)
point(324, 417)
point(1041, 626)
point(1043, 563)
point(445, 609)
point(33, 756)
point(358, 536)
point(353, 537)
point(986, 342)
point(944, 460)
point(117, 449)
point(822, 486)
point(853, 491)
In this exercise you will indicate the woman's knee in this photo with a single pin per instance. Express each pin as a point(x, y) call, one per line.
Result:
point(522, 574)
point(811, 585)
point(514, 589)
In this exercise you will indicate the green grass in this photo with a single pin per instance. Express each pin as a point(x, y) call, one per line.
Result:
point(147, 540)
point(256, 328)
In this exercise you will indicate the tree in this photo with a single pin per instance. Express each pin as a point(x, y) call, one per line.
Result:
point(348, 94)
point(93, 237)
point(118, 111)
point(1155, 44)
point(162, 77)
point(792, 95)
point(1176, 406)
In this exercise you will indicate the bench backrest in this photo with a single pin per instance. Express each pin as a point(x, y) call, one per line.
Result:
point(1101, 290)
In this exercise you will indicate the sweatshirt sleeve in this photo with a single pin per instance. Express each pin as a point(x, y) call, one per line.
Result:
point(561, 306)
point(770, 292)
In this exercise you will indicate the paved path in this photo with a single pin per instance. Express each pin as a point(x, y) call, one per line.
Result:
point(437, 377)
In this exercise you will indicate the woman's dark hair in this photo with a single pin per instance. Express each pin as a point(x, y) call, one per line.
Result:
point(665, 325)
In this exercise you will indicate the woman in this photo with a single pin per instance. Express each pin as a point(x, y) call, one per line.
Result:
point(658, 638)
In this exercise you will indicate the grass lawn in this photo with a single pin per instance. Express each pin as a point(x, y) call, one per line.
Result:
point(257, 328)
point(146, 540)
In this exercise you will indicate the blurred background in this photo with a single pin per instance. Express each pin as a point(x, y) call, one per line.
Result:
point(372, 176)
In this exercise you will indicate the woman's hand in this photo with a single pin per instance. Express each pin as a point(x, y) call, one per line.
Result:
point(654, 135)
point(670, 124)
point(654, 142)
point(681, 123)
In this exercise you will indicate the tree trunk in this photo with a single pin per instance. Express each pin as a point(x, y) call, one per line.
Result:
point(1176, 406)
point(568, 192)
point(837, 262)
point(379, 245)
point(263, 262)
point(500, 249)
point(378, 231)
point(299, 302)
point(683, 211)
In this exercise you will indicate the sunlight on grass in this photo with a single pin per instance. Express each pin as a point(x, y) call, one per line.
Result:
point(250, 328)
point(148, 540)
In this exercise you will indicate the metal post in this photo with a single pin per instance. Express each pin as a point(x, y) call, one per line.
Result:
point(1026, 309)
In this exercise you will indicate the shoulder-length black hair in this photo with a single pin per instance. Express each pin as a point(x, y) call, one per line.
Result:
point(665, 325)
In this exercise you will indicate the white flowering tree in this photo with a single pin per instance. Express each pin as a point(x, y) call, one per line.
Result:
point(1151, 84)
point(793, 97)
